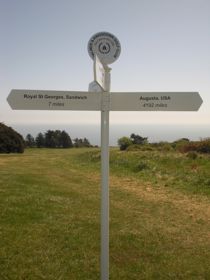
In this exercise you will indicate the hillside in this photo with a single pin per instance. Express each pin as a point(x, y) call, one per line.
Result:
point(50, 215)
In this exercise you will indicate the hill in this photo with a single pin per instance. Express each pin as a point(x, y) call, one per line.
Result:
point(50, 215)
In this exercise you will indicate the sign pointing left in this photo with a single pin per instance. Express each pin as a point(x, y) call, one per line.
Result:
point(19, 99)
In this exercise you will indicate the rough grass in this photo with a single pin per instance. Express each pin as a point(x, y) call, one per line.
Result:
point(50, 215)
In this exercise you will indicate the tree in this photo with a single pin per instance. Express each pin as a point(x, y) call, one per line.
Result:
point(40, 140)
point(124, 143)
point(57, 139)
point(30, 142)
point(137, 139)
point(86, 143)
point(50, 139)
point(77, 143)
point(65, 140)
point(10, 140)
point(80, 142)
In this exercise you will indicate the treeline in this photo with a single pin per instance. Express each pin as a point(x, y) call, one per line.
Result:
point(183, 145)
point(55, 139)
point(12, 142)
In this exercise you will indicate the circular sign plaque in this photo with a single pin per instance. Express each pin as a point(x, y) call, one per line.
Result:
point(106, 46)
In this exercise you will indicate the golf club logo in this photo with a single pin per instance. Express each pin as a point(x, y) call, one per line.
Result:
point(106, 46)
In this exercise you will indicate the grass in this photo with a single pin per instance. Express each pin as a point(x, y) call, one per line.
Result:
point(50, 215)
point(169, 169)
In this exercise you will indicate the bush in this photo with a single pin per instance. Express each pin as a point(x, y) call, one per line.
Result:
point(124, 143)
point(192, 155)
point(165, 147)
point(202, 146)
point(140, 166)
point(134, 147)
point(180, 144)
point(138, 140)
point(189, 147)
point(10, 140)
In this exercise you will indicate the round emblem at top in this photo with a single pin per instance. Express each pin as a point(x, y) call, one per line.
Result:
point(106, 46)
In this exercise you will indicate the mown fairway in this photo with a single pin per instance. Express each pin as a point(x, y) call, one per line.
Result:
point(50, 215)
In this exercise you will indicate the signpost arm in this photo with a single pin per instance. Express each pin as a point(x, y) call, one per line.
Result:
point(105, 177)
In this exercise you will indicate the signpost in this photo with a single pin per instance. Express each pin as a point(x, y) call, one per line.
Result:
point(94, 101)
point(104, 48)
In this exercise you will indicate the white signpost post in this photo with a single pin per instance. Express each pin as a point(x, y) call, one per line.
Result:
point(104, 48)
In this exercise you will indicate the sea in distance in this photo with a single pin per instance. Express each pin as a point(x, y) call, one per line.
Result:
point(154, 132)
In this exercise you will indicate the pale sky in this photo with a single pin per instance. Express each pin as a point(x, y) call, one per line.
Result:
point(165, 47)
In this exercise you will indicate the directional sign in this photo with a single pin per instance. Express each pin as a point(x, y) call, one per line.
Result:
point(155, 101)
point(54, 100)
point(94, 101)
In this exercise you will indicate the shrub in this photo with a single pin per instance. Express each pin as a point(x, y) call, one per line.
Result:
point(166, 147)
point(204, 146)
point(10, 140)
point(134, 147)
point(140, 166)
point(179, 144)
point(192, 155)
point(187, 147)
point(139, 140)
point(124, 143)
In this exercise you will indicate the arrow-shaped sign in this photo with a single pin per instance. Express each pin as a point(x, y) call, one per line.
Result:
point(94, 101)
point(155, 101)
point(54, 100)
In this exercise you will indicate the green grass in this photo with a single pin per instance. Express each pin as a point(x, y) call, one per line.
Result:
point(169, 169)
point(50, 215)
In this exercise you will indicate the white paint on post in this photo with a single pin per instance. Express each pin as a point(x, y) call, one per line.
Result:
point(103, 91)
point(101, 83)
point(104, 262)
point(104, 195)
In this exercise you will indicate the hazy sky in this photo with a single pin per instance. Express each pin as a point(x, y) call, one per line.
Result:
point(165, 47)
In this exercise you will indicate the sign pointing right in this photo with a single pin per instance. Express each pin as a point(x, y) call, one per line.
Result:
point(155, 101)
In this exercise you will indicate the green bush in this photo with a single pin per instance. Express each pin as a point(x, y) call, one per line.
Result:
point(166, 147)
point(10, 140)
point(179, 145)
point(192, 155)
point(124, 143)
point(134, 147)
point(140, 166)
